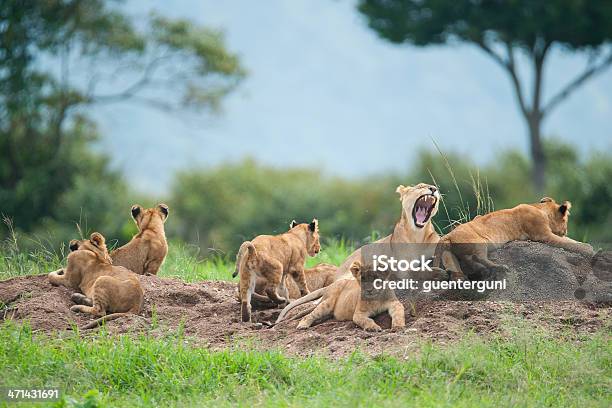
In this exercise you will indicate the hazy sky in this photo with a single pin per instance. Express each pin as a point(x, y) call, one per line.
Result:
point(323, 90)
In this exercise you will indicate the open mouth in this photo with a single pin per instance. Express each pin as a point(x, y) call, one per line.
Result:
point(423, 207)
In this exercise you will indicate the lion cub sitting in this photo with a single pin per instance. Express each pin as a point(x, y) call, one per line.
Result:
point(105, 288)
point(545, 222)
point(146, 251)
point(273, 258)
point(343, 300)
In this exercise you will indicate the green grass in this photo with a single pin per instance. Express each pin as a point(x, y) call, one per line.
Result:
point(182, 262)
point(527, 370)
point(16, 263)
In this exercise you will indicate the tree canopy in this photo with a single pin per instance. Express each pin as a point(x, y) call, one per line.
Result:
point(503, 29)
point(59, 56)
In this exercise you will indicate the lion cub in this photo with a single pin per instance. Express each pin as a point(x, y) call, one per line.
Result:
point(105, 288)
point(545, 222)
point(146, 251)
point(343, 300)
point(317, 277)
point(273, 258)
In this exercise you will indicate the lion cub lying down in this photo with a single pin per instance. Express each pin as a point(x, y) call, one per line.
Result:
point(272, 258)
point(146, 251)
point(545, 222)
point(105, 288)
point(343, 301)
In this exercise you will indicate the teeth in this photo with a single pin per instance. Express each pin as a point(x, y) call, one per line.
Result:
point(424, 204)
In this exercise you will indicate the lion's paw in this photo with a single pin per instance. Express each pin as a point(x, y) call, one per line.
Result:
point(373, 328)
point(75, 308)
point(397, 326)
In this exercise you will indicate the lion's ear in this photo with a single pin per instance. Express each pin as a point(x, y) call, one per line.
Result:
point(97, 239)
point(164, 209)
point(401, 189)
point(74, 245)
point(136, 209)
point(356, 269)
point(564, 208)
point(314, 225)
point(546, 200)
point(293, 224)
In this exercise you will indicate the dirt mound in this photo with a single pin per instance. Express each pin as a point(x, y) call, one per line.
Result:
point(209, 313)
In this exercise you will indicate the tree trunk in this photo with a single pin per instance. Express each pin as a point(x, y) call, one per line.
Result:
point(538, 158)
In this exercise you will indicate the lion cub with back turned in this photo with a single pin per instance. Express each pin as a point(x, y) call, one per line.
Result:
point(146, 251)
point(273, 258)
point(105, 288)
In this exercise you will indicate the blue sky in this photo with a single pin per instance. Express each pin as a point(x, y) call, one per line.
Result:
point(323, 90)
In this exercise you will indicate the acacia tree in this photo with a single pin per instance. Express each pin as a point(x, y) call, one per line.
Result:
point(60, 56)
point(503, 30)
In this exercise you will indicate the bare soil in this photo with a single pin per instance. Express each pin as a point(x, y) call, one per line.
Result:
point(209, 315)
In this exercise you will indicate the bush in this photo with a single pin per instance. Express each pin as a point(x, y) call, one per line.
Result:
point(222, 207)
point(64, 191)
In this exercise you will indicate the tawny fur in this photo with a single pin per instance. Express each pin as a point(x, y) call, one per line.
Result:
point(273, 258)
point(545, 222)
point(342, 300)
point(146, 251)
point(317, 277)
point(104, 288)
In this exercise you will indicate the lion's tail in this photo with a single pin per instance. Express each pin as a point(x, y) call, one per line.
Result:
point(103, 319)
point(308, 298)
point(246, 250)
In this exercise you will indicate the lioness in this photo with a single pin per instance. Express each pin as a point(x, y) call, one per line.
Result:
point(273, 258)
point(545, 222)
point(146, 251)
point(419, 205)
point(343, 301)
point(105, 288)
